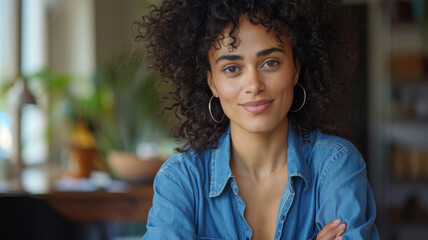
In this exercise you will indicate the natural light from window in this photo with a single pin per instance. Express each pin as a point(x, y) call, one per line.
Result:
point(7, 40)
point(8, 69)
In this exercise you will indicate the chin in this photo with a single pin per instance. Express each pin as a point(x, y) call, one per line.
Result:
point(260, 128)
point(260, 124)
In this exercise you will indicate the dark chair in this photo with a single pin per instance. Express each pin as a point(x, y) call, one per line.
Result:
point(26, 217)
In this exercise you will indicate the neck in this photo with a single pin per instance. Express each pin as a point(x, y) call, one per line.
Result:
point(258, 155)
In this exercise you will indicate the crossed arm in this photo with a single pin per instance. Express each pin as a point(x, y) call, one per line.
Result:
point(332, 231)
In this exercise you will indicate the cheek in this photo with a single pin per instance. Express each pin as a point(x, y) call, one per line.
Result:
point(284, 86)
point(227, 89)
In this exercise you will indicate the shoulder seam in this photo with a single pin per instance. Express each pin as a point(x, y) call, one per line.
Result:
point(341, 148)
point(330, 164)
point(171, 162)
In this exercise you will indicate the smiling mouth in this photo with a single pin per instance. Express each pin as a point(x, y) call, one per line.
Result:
point(257, 106)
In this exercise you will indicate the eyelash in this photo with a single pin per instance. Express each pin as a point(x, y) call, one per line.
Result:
point(271, 61)
point(228, 68)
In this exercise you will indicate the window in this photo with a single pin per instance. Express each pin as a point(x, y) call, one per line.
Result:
point(33, 58)
point(8, 41)
point(34, 36)
point(8, 68)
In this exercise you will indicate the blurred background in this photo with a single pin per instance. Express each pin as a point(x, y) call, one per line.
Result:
point(80, 140)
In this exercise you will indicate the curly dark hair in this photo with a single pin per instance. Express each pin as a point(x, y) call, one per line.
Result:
point(178, 34)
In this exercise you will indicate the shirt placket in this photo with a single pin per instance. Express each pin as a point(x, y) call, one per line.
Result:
point(285, 205)
point(246, 230)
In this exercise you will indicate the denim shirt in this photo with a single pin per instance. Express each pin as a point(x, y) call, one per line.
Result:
point(196, 195)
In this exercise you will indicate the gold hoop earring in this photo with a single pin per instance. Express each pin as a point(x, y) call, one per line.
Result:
point(209, 109)
point(304, 99)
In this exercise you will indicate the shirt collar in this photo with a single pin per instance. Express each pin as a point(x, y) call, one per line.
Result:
point(220, 167)
point(220, 159)
point(296, 164)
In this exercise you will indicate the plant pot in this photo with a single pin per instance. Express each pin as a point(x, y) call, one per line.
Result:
point(83, 161)
point(127, 166)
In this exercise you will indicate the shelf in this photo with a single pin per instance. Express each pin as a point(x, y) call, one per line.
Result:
point(401, 190)
point(411, 121)
point(410, 82)
point(408, 185)
point(409, 132)
point(402, 172)
point(405, 27)
point(419, 226)
point(409, 67)
point(410, 231)
point(406, 38)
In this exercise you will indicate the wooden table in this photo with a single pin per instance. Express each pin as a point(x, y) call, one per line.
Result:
point(132, 205)
point(26, 215)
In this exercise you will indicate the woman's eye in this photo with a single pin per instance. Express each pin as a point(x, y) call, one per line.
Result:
point(271, 64)
point(231, 69)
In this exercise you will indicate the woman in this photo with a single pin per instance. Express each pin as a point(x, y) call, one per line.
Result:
point(255, 84)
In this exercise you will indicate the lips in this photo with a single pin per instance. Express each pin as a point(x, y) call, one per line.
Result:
point(257, 106)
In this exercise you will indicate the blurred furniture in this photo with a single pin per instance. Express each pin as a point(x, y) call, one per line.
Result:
point(81, 200)
point(399, 138)
point(133, 204)
point(397, 98)
point(71, 215)
point(26, 217)
point(42, 203)
point(129, 167)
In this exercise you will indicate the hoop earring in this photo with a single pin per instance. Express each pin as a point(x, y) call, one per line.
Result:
point(304, 99)
point(209, 109)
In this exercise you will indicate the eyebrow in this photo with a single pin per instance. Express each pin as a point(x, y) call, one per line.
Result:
point(262, 53)
point(229, 57)
point(267, 52)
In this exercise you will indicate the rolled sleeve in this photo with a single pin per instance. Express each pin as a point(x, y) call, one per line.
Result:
point(345, 193)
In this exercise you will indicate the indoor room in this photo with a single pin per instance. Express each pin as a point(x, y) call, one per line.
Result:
point(85, 125)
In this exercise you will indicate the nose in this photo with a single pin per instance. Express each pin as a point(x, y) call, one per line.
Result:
point(253, 83)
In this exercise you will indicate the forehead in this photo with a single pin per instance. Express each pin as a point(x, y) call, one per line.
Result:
point(246, 36)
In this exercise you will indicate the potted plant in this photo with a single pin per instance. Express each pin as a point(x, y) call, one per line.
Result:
point(118, 115)
point(127, 119)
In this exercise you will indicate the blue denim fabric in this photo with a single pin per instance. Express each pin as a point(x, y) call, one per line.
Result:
point(196, 196)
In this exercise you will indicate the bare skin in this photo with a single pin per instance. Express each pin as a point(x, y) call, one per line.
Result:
point(262, 198)
point(262, 182)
